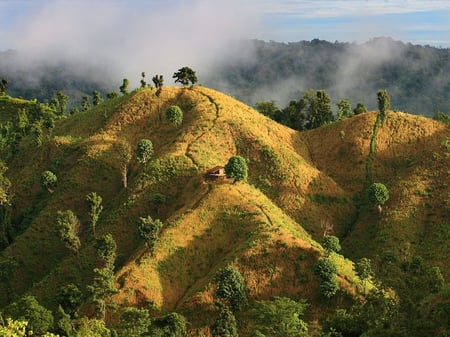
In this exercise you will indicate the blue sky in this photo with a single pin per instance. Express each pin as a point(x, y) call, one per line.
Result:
point(415, 21)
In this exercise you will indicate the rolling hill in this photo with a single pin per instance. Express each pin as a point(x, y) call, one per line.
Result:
point(269, 228)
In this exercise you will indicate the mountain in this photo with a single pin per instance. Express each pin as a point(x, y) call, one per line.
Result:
point(270, 228)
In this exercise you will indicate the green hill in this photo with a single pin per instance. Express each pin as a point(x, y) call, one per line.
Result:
point(299, 185)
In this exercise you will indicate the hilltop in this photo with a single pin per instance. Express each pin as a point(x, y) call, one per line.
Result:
point(269, 228)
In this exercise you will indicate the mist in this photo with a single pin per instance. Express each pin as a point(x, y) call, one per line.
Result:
point(105, 41)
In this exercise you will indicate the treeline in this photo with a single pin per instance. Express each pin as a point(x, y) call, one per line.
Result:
point(416, 76)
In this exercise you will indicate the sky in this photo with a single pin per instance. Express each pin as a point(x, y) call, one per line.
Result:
point(132, 35)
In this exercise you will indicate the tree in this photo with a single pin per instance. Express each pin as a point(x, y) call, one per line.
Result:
point(329, 287)
point(174, 115)
point(124, 87)
point(5, 185)
point(63, 322)
point(67, 227)
point(40, 320)
point(319, 108)
point(231, 287)
point(378, 194)
point(359, 109)
point(237, 169)
point(325, 268)
point(106, 250)
point(92, 328)
point(49, 180)
point(13, 328)
point(95, 203)
point(185, 75)
point(225, 325)
point(112, 95)
point(158, 81)
point(269, 109)
point(144, 150)
point(102, 289)
point(123, 150)
point(280, 317)
point(149, 230)
point(69, 297)
point(85, 105)
point(134, 322)
point(331, 244)
point(363, 268)
point(96, 98)
point(435, 279)
point(143, 82)
point(383, 104)
point(170, 325)
point(3, 85)
point(344, 109)
point(62, 100)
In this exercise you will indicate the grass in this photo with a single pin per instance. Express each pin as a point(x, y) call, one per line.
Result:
point(267, 227)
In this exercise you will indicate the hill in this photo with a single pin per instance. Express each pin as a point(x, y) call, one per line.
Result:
point(269, 228)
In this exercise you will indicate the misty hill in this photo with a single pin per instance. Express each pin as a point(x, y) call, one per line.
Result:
point(415, 76)
point(269, 228)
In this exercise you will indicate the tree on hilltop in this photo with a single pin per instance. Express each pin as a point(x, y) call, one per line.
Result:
point(158, 81)
point(185, 75)
point(384, 103)
point(96, 98)
point(124, 87)
point(3, 85)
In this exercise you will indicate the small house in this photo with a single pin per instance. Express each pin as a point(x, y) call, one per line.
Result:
point(217, 172)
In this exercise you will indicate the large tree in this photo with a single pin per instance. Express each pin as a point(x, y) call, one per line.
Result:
point(185, 75)
point(384, 103)
point(106, 250)
point(378, 194)
point(231, 288)
point(149, 230)
point(144, 150)
point(319, 108)
point(236, 168)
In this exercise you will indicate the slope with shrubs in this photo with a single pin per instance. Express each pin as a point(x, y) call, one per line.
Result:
point(300, 186)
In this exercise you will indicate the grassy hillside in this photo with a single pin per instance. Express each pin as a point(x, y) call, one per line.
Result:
point(268, 228)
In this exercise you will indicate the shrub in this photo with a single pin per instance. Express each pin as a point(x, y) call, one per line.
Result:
point(236, 168)
point(49, 180)
point(325, 268)
point(231, 287)
point(174, 115)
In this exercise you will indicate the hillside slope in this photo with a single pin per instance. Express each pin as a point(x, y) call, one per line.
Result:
point(299, 186)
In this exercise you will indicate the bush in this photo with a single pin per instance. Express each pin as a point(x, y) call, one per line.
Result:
point(331, 244)
point(174, 115)
point(236, 168)
point(49, 180)
point(144, 150)
point(325, 268)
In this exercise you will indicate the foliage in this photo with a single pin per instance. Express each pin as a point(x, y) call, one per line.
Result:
point(363, 268)
point(360, 108)
point(92, 328)
point(225, 325)
point(40, 320)
point(231, 288)
point(3, 85)
point(158, 81)
point(383, 104)
point(85, 105)
point(344, 109)
point(67, 227)
point(170, 325)
point(61, 100)
point(63, 322)
point(102, 289)
point(329, 287)
point(280, 317)
point(319, 108)
point(174, 115)
point(236, 168)
point(144, 151)
point(69, 297)
point(331, 244)
point(143, 82)
point(123, 151)
point(96, 98)
point(106, 249)
point(325, 268)
point(442, 117)
point(185, 75)
point(134, 322)
point(13, 328)
point(5, 185)
point(149, 230)
point(49, 180)
point(95, 203)
point(124, 87)
point(378, 193)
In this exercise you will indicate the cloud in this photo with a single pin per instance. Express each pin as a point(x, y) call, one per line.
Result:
point(132, 36)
